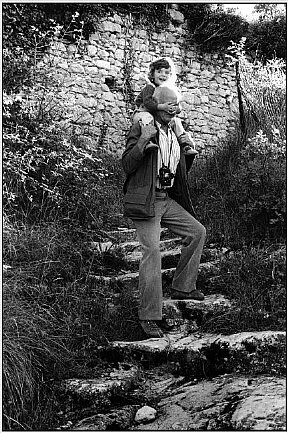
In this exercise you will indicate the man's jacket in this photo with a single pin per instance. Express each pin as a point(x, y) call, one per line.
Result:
point(141, 174)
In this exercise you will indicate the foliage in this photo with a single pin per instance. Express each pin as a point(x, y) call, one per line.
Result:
point(32, 345)
point(263, 90)
point(212, 29)
point(266, 39)
point(267, 11)
point(240, 191)
point(254, 279)
point(53, 313)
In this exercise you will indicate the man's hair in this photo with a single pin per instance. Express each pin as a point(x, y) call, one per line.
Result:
point(158, 64)
point(164, 93)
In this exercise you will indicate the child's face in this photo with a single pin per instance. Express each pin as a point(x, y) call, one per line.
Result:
point(161, 75)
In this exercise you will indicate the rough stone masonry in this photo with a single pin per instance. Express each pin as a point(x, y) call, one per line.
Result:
point(99, 79)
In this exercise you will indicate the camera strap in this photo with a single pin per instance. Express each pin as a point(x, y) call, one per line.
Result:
point(171, 144)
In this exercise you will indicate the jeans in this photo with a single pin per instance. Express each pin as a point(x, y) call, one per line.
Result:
point(169, 214)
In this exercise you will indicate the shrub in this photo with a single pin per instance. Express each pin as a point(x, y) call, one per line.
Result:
point(210, 28)
point(48, 174)
point(240, 191)
point(254, 279)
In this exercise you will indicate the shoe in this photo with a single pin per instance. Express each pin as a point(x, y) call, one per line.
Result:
point(151, 329)
point(188, 150)
point(151, 146)
point(196, 295)
point(164, 325)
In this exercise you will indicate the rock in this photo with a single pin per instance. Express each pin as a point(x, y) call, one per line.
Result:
point(118, 419)
point(176, 16)
point(101, 389)
point(145, 414)
point(264, 409)
point(108, 26)
point(225, 403)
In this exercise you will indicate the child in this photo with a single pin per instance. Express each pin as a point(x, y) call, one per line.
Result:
point(161, 72)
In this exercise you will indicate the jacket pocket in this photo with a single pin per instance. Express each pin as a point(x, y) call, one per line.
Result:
point(135, 198)
point(138, 206)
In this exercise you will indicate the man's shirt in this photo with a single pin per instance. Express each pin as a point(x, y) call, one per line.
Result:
point(168, 153)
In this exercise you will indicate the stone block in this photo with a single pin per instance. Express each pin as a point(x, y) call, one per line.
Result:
point(142, 34)
point(176, 16)
point(117, 19)
point(108, 96)
point(92, 50)
point(76, 68)
point(216, 111)
point(119, 54)
point(62, 64)
point(94, 37)
point(108, 26)
point(92, 70)
point(102, 64)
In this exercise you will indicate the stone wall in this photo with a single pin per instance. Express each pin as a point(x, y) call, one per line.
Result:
point(101, 77)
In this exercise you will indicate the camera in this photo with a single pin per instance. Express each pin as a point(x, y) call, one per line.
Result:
point(165, 176)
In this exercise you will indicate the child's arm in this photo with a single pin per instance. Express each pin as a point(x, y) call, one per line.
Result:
point(150, 103)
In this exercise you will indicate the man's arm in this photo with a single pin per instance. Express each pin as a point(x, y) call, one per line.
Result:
point(138, 137)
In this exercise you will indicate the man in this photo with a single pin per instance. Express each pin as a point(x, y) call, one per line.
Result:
point(156, 194)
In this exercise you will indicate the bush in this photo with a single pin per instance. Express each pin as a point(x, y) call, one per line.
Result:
point(50, 175)
point(240, 191)
point(212, 29)
point(254, 279)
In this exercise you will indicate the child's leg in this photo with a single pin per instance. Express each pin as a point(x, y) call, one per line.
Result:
point(177, 127)
point(184, 138)
point(145, 118)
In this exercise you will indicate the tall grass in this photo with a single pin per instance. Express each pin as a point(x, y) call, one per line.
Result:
point(53, 316)
point(255, 281)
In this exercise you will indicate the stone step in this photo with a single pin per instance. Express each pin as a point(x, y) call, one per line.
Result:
point(207, 271)
point(186, 316)
point(207, 355)
point(78, 393)
point(128, 235)
point(168, 258)
point(131, 247)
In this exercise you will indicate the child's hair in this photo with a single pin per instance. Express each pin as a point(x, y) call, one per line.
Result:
point(164, 62)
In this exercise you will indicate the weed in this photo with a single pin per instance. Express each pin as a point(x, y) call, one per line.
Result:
point(254, 279)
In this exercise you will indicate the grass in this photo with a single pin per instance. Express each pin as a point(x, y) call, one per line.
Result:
point(254, 279)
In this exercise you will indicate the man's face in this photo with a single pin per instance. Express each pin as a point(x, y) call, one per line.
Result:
point(167, 117)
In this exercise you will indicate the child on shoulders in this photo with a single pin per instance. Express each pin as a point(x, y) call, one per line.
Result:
point(161, 72)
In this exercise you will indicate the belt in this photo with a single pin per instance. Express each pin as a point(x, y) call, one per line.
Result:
point(161, 193)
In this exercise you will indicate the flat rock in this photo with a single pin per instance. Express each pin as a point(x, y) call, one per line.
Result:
point(117, 419)
point(207, 355)
point(100, 389)
point(224, 403)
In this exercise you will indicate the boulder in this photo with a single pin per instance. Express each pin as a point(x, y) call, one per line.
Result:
point(145, 414)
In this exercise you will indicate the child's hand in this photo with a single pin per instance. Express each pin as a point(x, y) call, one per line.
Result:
point(169, 107)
